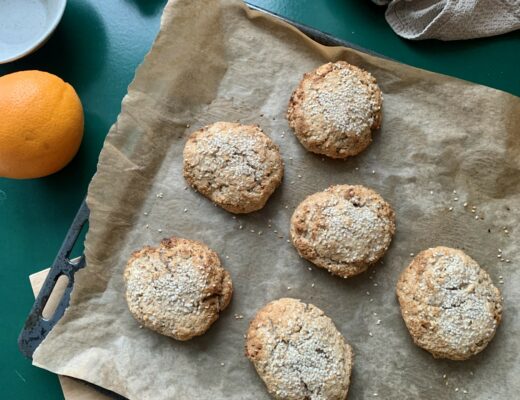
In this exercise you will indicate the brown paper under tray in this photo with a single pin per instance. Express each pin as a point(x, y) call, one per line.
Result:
point(214, 60)
point(72, 388)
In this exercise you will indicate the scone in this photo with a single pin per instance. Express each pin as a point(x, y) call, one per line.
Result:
point(298, 352)
point(449, 304)
point(334, 110)
point(177, 289)
point(236, 166)
point(343, 229)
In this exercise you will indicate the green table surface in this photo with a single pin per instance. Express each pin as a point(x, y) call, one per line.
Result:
point(96, 48)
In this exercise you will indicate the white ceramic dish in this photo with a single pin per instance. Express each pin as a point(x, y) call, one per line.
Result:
point(26, 24)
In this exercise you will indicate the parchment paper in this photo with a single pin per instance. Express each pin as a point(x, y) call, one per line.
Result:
point(217, 61)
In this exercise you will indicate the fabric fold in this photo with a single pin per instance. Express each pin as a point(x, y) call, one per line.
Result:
point(452, 19)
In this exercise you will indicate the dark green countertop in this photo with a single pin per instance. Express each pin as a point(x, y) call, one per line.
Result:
point(96, 48)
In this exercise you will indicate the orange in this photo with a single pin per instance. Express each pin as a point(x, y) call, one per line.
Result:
point(41, 124)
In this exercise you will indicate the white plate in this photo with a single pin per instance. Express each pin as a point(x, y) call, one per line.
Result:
point(26, 24)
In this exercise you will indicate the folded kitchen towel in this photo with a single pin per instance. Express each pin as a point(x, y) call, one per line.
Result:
point(452, 19)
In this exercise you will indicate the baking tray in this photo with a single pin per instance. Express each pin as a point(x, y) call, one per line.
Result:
point(36, 328)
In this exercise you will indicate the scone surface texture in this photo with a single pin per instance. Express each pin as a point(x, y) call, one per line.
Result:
point(177, 289)
point(298, 352)
point(236, 166)
point(334, 110)
point(449, 303)
point(344, 229)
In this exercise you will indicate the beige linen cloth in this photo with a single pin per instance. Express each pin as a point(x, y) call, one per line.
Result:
point(452, 19)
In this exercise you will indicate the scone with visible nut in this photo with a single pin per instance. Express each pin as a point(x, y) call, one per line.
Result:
point(298, 352)
point(177, 289)
point(236, 166)
point(343, 229)
point(334, 110)
point(449, 303)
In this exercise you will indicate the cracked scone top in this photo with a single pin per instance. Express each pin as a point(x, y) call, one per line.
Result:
point(334, 110)
point(236, 166)
point(343, 229)
point(177, 289)
point(298, 352)
point(449, 303)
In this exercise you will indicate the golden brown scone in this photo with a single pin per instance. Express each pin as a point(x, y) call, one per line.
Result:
point(343, 229)
point(449, 304)
point(298, 352)
point(177, 289)
point(334, 110)
point(236, 166)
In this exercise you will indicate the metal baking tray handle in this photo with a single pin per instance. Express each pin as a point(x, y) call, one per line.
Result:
point(36, 327)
